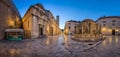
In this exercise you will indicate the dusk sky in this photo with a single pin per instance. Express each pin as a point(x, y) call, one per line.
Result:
point(74, 9)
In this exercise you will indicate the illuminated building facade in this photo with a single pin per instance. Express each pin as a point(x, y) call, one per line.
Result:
point(38, 22)
point(9, 17)
point(53, 24)
point(88, 28)
point(110, 25)
point(70, 27)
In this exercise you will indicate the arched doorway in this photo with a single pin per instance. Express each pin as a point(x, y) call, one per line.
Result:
point(113, 31)
point(41, 30)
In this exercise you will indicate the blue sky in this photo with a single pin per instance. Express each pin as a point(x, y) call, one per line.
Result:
point(74, 9)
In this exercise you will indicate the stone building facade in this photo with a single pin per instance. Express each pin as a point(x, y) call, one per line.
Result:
point(39, 22)
point(88, 28)
point(110, 25)
point(53, 24)
point(70, 27)
point(9, 16)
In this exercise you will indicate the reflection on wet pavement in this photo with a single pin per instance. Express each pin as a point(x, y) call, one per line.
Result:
point(13, 52)
point(60, 46)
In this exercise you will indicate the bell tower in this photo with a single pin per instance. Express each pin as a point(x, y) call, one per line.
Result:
point(57, 19)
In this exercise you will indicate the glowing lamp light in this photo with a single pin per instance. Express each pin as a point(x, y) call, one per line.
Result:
point(117, 30)
point(11, 23)
point(109, 30)
point(47, 28)
point(103, 29)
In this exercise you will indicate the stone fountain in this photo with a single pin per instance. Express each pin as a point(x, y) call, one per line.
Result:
point(88, 31)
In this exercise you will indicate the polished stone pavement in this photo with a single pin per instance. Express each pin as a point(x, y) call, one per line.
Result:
point(60, 46)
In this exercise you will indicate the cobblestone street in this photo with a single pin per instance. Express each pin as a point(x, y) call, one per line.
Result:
point(60, 46)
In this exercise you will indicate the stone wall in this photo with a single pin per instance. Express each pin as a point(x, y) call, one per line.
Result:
point(88, 28)
point(9, 16)
point(70, 27)
point(108, 24)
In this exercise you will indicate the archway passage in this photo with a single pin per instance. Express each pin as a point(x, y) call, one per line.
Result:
point(41, 30)
point(113, 32)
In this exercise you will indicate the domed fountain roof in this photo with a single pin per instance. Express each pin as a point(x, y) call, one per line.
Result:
point(88, 20)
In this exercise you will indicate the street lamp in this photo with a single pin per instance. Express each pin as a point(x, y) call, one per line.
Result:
point(103, 29)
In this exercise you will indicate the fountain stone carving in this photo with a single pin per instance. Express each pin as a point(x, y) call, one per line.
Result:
point(88, 30)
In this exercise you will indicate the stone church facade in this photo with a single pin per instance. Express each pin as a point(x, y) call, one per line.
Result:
point(39, 22)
